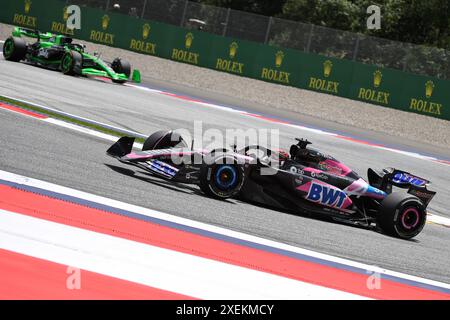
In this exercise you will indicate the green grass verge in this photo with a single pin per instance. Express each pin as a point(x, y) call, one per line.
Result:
point(54, 115)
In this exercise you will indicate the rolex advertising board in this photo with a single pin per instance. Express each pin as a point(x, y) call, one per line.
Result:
point(425, 95)
point(326, 75)
point(281, 66)
point(376, 85)
point(234, 56)
point(31, 14)
point(192, 47)
point(148, 37)
point(105, 28)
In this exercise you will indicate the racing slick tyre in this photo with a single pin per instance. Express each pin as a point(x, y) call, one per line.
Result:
point(121, 66)
point(71, 63)
point(164, 139)
point(401, 215)
point(222, 178)
point(14, 49)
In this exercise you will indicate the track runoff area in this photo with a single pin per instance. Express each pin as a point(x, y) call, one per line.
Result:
point(61, 243)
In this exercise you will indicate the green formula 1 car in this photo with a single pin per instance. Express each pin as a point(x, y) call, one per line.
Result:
point(58, 52)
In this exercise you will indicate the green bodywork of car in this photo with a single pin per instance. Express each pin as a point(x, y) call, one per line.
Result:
point(47, 43)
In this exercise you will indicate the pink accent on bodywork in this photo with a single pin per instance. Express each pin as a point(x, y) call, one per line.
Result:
point(336, 167)
point(347, 203)
point(304, 187)
point(357, 187)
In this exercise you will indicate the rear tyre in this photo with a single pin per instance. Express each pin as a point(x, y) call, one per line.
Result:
point(121, 66)
point(14, 49)
point(401, 215)
point(223, 178)
point(164, 139)
point(71, 63)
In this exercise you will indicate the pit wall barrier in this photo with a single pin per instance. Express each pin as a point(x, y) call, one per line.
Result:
point(382, 86)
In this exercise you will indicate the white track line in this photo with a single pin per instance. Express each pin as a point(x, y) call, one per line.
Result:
point(149, 265)
point(4, 175)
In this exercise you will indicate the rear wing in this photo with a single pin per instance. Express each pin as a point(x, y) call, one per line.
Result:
point(19, 32)
point(393, 177)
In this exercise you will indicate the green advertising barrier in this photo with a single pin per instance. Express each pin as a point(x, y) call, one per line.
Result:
point(281, 66)
point(191, 47)
point(400, 90)
point(326, 75)
point(232, 56)
point(376, 85)
point(148, 37)
point(426, 95)
point(33, 14)
point(357, 81)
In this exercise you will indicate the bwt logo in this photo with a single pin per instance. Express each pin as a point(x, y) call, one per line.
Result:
point(325, 195)
point(406, 178)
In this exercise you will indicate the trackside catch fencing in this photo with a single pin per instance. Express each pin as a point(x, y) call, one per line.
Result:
point(227, 52)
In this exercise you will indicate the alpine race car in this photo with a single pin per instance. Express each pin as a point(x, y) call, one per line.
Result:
point(303, 181)
point(58, 52)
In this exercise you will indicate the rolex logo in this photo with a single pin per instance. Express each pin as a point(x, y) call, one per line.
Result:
point(327, 67)
point(429, 87)
point(27, 6)
point(377, 76)
point(105, 21)
point(233, 49)
point(279, 56)
point(188, 41)
point(145, 31)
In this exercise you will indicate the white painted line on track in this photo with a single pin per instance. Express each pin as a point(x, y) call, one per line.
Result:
point(88, 131)
point(15, 178)
point(443, 221)
point(82, 119)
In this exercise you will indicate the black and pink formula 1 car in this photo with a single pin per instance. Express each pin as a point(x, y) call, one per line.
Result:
point(302, 180)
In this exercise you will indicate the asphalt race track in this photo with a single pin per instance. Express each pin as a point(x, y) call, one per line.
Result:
point(54, 154)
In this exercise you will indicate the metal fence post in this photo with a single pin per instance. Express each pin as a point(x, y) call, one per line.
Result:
point(143, 9)
point(183, 18)
point(266, 39)
point(226, 22)
point(308, 45)
point(355, 50)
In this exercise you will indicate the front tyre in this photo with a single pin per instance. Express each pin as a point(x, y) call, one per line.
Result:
point(71, 63)
point(121, 66)
point(401, 215)
point(14, 49)
point(223, 178)
point(164, 139)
